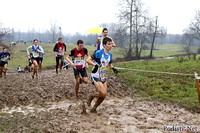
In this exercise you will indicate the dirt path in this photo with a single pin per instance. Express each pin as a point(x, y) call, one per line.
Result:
point(50, 106)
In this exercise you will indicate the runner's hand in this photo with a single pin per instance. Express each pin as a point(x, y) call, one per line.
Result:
point(115, 70)
point(73, 65)
point(65, 53)
point(86, 66)
point(95, 69)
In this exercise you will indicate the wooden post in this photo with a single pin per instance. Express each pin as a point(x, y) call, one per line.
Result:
point(197, 84)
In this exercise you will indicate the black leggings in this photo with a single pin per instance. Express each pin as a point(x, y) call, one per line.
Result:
point(57, 61)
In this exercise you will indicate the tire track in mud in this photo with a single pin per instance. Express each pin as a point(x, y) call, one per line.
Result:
point(50, 106)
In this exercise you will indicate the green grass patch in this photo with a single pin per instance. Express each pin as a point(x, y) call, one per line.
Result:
point(163, 87)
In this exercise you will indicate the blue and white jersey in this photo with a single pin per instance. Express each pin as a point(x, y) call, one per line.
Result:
point(102, 60)
point(36, 50)
point(4, 56)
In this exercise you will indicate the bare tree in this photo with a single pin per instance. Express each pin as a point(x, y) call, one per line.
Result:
point(3, 32)
point(192, 33)
point(54, 30)
point(194, 26)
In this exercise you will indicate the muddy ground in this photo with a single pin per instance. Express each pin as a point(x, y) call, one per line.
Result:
point(48, 104)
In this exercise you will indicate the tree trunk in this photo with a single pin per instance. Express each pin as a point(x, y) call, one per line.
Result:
point(129, 54)
point(154, 36)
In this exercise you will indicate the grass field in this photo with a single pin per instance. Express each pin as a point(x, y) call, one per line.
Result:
point(168, 88)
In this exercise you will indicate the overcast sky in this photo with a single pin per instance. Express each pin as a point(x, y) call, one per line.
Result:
point(80, 15)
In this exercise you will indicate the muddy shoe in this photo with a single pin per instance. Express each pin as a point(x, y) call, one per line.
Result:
point(36, 77)
point(89, 100)
point(32, 76)
point(93, 110)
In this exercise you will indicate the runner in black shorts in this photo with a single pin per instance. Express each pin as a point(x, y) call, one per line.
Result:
point(60, 49)
point(4, 56)
point(78, 64)
point(35, 50)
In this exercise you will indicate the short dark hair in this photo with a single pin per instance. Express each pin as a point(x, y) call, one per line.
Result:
point(59, 38)
point(4, 48)
point(35, 40)
point(106, 39)
point(79, 42)
point(104, 29)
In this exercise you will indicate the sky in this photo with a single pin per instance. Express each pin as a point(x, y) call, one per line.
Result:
point(80, 15)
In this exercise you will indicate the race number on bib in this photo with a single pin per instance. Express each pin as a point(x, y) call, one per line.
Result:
point(4, 59)
point(103, 71)
point(78, 61)
point(35, 54)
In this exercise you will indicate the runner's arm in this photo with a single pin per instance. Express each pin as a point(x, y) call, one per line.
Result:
point(112, 68)
point(113, 43)
point(90, 61)
point(55, 48)
point(41, 50)
point(28, 50)
point(65, 47)
point(68, 59)
point(9, 56)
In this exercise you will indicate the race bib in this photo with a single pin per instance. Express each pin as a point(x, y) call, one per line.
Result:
point(103, 71)
point(4, 59)
point(78, 61)
point(60, 53)
point(35, 54)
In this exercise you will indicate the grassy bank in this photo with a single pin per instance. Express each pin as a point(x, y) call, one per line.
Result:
point(168, 88)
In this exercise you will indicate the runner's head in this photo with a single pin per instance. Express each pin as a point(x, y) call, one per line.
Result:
point(80, 44)
point(107, 43)
point(60, 39)
point(35, 42)
point(105, 32)
point(4, 50)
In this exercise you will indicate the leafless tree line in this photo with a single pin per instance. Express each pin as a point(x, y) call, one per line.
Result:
point(191, 34)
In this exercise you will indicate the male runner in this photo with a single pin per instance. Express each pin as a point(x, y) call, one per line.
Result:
point(102, 61)
point(4, 57)
point(99, 42)
point(59, 49)
point(78, 64)
point(35, 50)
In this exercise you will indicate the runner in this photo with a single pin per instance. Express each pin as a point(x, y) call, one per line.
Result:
point(30, 62)
point(59, 53)
point(36, 50)
point(40, 60)
point(4, 57)
point(78, 64)
point(99, 43)
point(103, 60)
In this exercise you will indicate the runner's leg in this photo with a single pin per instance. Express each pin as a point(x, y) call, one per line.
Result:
point(1, 71)
point(102, 89)
point(77, 85)
point(35, 68)
point(62, 61)
point(57, 64)
point(85, 80)
point(40, 64)
point(5, 69)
